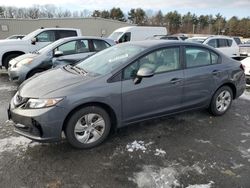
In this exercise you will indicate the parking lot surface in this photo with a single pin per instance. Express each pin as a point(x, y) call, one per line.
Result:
point(190, 150)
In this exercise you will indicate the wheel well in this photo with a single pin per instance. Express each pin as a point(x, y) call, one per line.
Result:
point(104, 106)
point(33, 70)
point(232, 86)
point(12, 52)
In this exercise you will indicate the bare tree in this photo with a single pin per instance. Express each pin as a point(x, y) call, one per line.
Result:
point(2, 9)
point(67, 14)
point(75, 14)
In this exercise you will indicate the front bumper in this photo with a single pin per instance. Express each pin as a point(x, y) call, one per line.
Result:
point(18, 74)
point(42, 125)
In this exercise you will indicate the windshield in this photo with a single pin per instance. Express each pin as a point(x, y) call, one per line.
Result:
point(106, 61)
point(115, 35)
point(50, 46)
point(31, 35)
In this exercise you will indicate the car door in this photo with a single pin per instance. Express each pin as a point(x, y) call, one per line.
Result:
point(162, 93)
point(73, 51)
point(201, 73)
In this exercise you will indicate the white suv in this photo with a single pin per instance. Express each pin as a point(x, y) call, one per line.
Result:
point(226, 45)
point(35, 40)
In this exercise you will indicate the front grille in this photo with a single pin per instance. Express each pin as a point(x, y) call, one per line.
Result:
point(34, 128)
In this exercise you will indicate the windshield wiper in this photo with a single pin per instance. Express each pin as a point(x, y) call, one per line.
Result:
point(80, 69)
point(77, 69)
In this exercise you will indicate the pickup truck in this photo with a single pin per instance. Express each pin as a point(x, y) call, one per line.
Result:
point(34, 41)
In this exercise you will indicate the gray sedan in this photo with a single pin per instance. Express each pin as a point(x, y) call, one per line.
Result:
point(64, 51)
point(121, 85)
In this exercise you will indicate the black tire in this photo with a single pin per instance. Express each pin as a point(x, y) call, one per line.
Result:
point(213, 109)
point(8, 58)
point(33, 72)
point(71, 124)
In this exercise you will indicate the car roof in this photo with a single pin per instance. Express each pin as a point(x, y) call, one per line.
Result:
point(83, 37)
point(219, 37)
point(155, 43)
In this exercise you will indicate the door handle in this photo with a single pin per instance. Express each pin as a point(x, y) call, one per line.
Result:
point(215, 72)
point(175, 80)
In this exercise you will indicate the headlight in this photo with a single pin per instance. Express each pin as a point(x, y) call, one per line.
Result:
point(42, 103)
point(12, 62)
point(23, 62)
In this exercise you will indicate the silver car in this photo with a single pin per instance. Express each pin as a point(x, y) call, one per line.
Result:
point(63, 51)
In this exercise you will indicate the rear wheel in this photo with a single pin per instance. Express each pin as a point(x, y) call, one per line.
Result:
point(221, 101)
point(88, 127)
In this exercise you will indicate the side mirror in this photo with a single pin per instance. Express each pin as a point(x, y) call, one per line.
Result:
point(143, 72)
point(33, 40)
point(58, 54)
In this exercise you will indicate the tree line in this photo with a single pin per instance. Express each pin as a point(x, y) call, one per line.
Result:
point(174, 21)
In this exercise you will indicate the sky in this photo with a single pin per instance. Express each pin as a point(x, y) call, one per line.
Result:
point(228, 8)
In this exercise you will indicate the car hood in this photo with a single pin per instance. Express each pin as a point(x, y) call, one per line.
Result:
point(11, 42)
point(50, 81)
point(21, 57)
point(24, 56)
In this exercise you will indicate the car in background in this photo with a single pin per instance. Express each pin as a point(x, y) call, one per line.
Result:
point(66, 50)
point(122, 85)
point(247, 42)
point(35, 40)
point(196, 39)
point(167, 37)
point(246, 63)
point(15, 37)
point(226, 45)
point(136, 33)
point(245, 49)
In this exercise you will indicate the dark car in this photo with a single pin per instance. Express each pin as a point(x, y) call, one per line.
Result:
point(122, 85)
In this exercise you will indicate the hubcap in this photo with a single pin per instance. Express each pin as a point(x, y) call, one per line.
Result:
point(223, 101)
point(89, 128)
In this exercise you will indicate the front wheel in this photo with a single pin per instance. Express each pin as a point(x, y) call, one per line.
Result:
point(221, 101)
point(88, 127)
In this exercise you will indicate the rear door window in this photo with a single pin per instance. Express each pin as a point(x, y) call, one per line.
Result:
point(214, 58)
point(196, 57)
point(74, 47)
point(65, 33)
point(222, 43)
point(100, 45)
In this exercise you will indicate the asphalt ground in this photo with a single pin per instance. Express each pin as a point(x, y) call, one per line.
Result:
point(194, 150)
